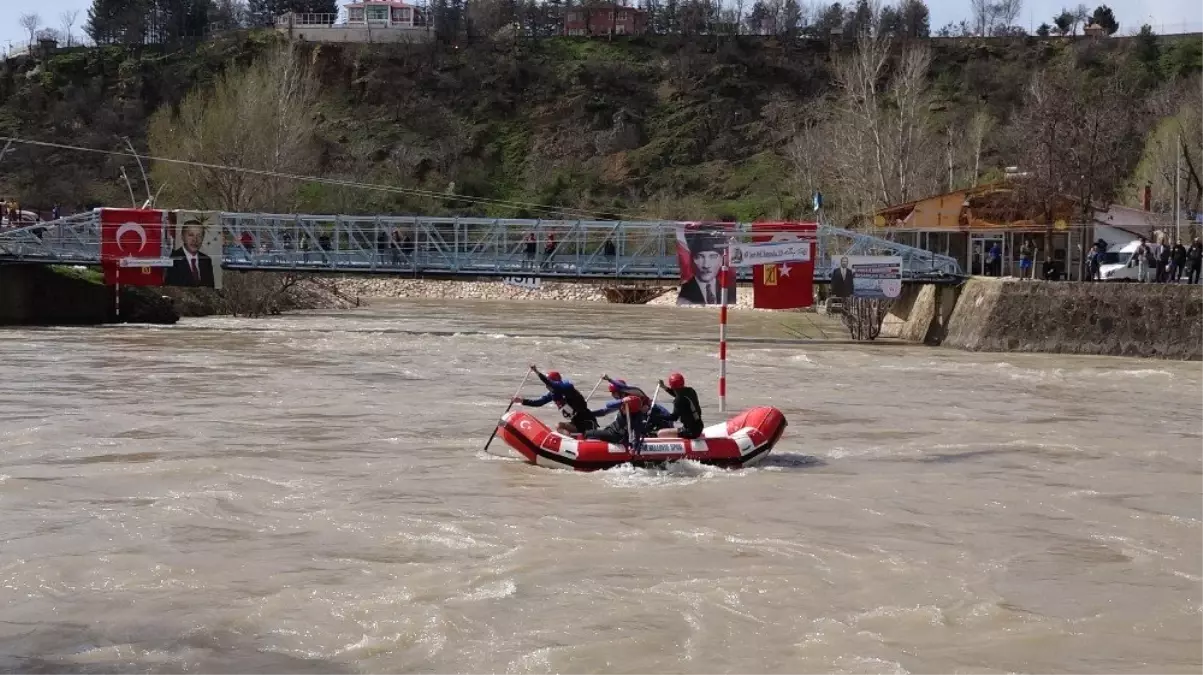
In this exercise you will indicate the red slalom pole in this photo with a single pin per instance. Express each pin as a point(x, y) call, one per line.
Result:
point(722, 332)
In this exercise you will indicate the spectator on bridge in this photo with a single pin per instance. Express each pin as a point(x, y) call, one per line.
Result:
point(531, 247)
point(395, 243)
point(550, 249)
point(382, 244)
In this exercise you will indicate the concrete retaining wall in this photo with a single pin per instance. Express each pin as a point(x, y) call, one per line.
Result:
point(920, 313)
point(1146, 320)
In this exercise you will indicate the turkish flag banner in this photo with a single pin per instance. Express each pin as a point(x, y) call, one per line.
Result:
point(131, 233)
point(785, 285)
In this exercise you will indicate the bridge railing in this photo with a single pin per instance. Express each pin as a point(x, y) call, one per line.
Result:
point(467, 246)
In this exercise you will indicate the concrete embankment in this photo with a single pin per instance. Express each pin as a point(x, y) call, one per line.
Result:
point(1144, 320)
point(38, 295)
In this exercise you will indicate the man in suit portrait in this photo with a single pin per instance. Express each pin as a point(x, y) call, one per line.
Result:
point(706, 254)
point(190, 266)
point(841, 279)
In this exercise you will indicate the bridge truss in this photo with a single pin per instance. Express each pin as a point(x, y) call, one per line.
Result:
point(584, 249)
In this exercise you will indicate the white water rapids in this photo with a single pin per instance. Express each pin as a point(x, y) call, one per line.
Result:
point(308, 494)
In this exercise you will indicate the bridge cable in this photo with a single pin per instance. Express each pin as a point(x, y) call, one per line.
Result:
point(337, 181)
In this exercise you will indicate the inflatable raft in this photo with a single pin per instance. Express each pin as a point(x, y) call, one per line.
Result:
point(741, 441)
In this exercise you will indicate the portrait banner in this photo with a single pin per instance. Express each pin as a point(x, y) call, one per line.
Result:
point(195, 249)
point(131, 246)
point(700, 248)
point(866, 276)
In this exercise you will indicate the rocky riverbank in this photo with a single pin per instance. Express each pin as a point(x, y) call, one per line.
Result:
point(368, 288)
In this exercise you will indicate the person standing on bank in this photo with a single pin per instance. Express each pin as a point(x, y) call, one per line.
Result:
point(686, 408)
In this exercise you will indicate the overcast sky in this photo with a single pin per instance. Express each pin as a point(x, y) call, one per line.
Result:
point(1172, 14)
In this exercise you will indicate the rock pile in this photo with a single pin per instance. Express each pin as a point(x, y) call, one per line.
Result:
point(467, 290)
point(397, 287)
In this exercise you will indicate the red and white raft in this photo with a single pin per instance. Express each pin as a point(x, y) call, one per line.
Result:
point(741, 441)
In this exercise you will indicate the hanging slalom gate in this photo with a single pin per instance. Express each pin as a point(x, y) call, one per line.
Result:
point(477, 247)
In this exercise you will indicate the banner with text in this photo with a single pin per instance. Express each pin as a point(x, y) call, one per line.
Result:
point(131, 246)
point(195, 249)
point(866, 276)
point(700, 249)
point(749, 255)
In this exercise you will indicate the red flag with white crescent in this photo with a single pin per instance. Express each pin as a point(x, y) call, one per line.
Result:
point(787, 285)
point(131, 233)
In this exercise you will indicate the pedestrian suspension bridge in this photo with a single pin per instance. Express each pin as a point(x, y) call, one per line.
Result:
point(469, 247)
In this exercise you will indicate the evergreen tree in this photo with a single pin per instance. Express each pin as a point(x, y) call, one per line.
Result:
point(891, 22)
point(915, 18)
point(860, 20)
point(1104, 17)
point(829, 19)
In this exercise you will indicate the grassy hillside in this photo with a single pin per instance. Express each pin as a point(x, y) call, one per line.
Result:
point(659, 126)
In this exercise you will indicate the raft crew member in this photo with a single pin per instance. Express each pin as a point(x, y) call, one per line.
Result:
point(686, 408)
point(657, 418)
point(619, 431)
point(570, 402)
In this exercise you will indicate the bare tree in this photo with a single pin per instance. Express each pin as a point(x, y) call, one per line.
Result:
point(31, 22)
point(253, 125)
point(983, 15)
point(994, 18)
point(883, 142)
point(979, 128)
point(1005, 14)
point(67, 23)
point(1079, 136)
point(739, 15)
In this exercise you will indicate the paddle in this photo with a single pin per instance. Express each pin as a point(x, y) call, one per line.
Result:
point(507, 408)
point(603, 379)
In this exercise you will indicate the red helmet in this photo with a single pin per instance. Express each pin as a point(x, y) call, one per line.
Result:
point(632, 404)
point(616, 387)
point(676, 381)
point(553, 375)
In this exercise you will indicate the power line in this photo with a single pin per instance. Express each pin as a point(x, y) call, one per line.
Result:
point(593, 215)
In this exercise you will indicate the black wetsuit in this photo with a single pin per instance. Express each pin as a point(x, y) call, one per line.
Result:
point(687, 411)
point(617, 431)
point(570, 402)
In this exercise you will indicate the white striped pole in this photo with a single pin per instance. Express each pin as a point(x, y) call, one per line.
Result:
point(117, 292)
point(722, 332)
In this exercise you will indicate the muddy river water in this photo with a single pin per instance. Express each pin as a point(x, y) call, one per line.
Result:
point(309, 494)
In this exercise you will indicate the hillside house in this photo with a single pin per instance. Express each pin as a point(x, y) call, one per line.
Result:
point(964, 224)
point(604, 19)
point(385, 14)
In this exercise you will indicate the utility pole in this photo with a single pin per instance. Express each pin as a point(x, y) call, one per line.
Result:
point(1177, 181)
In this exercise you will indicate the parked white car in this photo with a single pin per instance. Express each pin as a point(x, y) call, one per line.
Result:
point(1115, 263)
